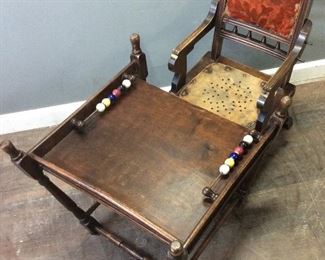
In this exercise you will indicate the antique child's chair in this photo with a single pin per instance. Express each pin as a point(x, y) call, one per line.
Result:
point(166, 162)
point(236, 92)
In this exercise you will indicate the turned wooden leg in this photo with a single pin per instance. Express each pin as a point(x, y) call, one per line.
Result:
point(32, 169)
point(85, 219)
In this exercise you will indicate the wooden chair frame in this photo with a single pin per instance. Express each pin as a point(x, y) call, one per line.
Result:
point(273, 104)
point(269, 100)
point(34, 165)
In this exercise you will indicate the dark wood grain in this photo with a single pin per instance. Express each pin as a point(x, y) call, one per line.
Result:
point(150, 155)
point(155, 160)
point(81, 113)
point(284, 206)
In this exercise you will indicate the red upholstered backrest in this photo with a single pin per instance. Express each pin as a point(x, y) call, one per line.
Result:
point(278, 17)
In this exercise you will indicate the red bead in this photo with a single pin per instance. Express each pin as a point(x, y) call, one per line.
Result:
point(239, 150)
point(116, 92)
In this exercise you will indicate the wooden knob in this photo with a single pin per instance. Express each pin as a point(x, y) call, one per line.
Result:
point(10, 149)
point(285, 103)
point(209, 193)
point(176, 248)
point(79, 124)
point(135, 42)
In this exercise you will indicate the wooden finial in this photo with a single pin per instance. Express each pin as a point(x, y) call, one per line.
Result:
point(135, 42)
point(285, 103)
point(138, 57)
point(176, 248)
point(11, 150)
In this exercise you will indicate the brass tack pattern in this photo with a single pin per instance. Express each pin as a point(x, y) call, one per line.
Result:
point(226, 91)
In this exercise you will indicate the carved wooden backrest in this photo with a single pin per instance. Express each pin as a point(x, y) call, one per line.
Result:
point(269, 25)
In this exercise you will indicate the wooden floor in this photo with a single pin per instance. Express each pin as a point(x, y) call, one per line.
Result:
point(283, 216)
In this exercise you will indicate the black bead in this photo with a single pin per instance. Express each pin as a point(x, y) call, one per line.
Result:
point(244, 145)
point(122, 88)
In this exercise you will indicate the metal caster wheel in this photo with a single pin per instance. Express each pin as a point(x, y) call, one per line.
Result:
point(288, 123)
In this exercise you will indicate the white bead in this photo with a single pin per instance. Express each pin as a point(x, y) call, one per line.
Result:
point(100, 107)
point(224, 169)
point(126, 83)
point(248, 139)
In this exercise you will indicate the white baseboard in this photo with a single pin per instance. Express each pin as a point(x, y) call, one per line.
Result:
point(36, 118)
point(53, 115)
point(304, 72)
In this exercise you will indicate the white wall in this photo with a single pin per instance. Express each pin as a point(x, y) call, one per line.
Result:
point(56, 52)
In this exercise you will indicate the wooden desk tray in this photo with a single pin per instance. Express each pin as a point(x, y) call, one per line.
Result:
point(148, 158)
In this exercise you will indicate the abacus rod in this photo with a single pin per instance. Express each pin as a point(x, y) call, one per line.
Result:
point(80, 124)
point(214, 182)
point(106, 102)
point(92, 115)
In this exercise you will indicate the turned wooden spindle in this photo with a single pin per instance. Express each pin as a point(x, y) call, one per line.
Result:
point(135, 42)
point(8, 147)
point(138, 56)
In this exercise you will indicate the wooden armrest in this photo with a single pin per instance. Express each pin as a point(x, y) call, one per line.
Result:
point(290, 61)
point(187, 45)
point(178, 58)
point(266, 102)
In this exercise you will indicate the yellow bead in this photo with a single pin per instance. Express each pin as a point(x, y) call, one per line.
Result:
point(230, 162)
point(106, 102)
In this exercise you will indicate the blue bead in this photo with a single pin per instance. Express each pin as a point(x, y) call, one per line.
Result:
point(112, 98)
point(235, 156)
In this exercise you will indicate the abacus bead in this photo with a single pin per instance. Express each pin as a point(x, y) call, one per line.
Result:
point(248, 139)
point(235, 156)
point(244, 145)
point(112, 98)
point(239, 150)
point(106, 102)
point(230, 162)
point(100, 107)
point(224, 169)
point(116, 92)
point(126, 83)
